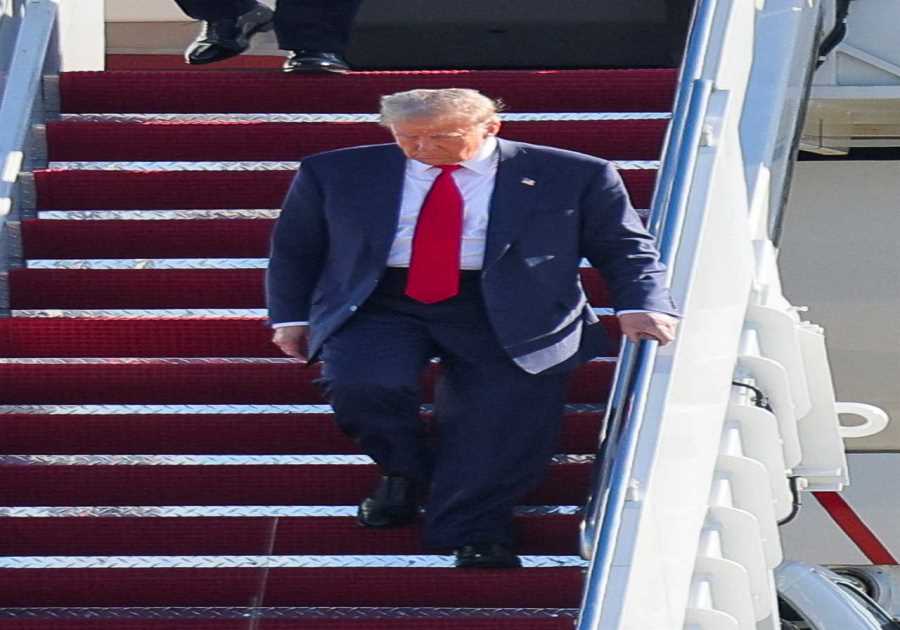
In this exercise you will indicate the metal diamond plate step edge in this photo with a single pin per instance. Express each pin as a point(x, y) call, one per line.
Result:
point(158, 215)
point(157, 263)
point(231, 511)
point(170, 215)
point(248, 166)
point(267, 562)
point(88, 410)
point(218, 460)
point(212, 313)
point(349, 118)
point(179, 361)
point(285, 612)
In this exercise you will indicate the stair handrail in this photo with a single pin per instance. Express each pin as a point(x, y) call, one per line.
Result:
point(30, 41)
point(665, 221)
point(634, 370)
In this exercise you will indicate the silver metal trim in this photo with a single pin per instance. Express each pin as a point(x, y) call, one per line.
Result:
point(52, 100)
point(38, 146)
point(218, 460)
point(248, 165)
point(211, 313)
point(115, 410)
point(166, 215)
point(348, 118)
point(27, 196)
point(180, 361)
point(285, 612)
point(109, 410)
point(157, 215)
point(149, 263)
point(14, 249)
point(148, 361)
point(269, 562)
point(231, 511)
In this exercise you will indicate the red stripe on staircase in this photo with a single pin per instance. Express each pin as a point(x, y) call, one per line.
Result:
point(166, 288)
point(198, 382)
point(214, 238)
point(270, 92)
point(213, 434)
point(252, 141)
point(313, 484)
point(240, 536)
point(855, 528)
point(144, 337)
point(529, 588)
point(158, 190)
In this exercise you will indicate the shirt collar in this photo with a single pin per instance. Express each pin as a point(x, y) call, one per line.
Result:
point(482, 162)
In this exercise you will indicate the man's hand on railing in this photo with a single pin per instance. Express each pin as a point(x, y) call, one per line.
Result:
point(292, 341)
point(648, 325)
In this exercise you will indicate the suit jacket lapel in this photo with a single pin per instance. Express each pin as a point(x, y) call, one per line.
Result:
point(512, 200)
point(382, 184)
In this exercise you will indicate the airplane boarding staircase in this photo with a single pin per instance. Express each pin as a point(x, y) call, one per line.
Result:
point(163, 467)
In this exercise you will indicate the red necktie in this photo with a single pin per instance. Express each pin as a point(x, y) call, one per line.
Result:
point(434, 264)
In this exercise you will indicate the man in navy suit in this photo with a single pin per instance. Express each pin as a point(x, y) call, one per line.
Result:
point(455, 244)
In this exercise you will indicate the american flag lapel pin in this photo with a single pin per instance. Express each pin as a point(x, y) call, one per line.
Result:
point(528, 181)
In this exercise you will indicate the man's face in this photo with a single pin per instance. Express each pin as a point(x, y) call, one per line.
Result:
point(442, 139)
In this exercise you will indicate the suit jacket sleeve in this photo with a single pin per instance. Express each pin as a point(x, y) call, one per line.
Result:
point(614, 240)
point(298, 250)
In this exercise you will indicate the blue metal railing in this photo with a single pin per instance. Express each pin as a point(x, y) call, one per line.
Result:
point(625, 411)
point(29, 39)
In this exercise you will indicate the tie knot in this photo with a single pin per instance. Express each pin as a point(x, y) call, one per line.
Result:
point(449, 168)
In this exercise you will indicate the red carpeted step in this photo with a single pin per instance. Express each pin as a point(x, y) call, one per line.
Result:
point(213, 238)
point(145, 337)
point(256, 141)
point(207, 382)
point(313, 623)
point(152, 61)
point(648, 90)
point(213, 434)
point(166, 288)
point(243, 484)
point(523, 588)
point(243, 536)
point(160, 190)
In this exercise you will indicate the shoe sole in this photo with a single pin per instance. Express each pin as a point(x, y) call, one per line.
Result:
point(315, 70)
point(243, 40)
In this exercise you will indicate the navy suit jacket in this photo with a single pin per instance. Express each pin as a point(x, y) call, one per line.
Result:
point(550, 208)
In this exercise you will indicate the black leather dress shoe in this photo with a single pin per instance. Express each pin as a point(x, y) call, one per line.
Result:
point(315, 61)
point(486, 556)
point(391, 505)
point(228, 37)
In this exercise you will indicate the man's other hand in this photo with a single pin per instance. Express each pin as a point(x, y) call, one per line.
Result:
point(659, 326)
point(292, 341)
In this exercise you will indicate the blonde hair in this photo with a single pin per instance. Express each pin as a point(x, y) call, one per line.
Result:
point(423, 103)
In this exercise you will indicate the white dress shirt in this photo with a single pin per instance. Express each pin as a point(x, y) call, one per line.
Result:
point(475, 181)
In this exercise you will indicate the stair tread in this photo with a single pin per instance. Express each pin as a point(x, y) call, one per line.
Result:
point(78, 485)
point(248, 536)
point(198, 434)
point(216, 91)
point(179, 190)
point(260, 141)
point(167, 288)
